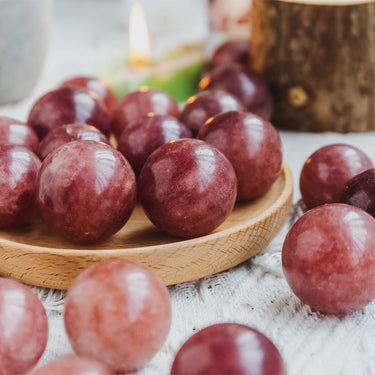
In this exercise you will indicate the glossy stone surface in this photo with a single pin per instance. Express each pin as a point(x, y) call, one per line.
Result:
point(252, 145)
point(248, 87)
point(360, 192)
point(200, 107)
point(329, 260)
point(86, 191)
point(72, 365)
point(69, 133)
point(231, 51)
point(23, 328)
point(140, 103)
point(18, 133)
point(68, 105)
point(18, 174)
point(326, 172)
point(139, 140)
point(97, 85)
point(118, 312)
point(228, 349)
point(187, 188)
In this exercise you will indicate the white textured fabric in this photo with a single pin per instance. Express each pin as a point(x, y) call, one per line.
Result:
point(254, 293)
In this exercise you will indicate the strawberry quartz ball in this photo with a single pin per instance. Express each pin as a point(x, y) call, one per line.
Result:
point(228, 348)
point(72, 365)
point(69, 133)
point(18, 176)
point(140, 103)
point(328, 258)
point(199, 108)
point(97, 85)
point(251, 144)
point(248, 87)
point(187, 188)
point(18, 133)
point(23, 328)
point(86, 191)
point(139, 140)
point(119, 313)
point(326, 172)
point(68, 105)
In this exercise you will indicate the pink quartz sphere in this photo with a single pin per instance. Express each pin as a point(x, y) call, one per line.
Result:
point(199, 108)
point(97, 85)
point(69, 133)
point(18, 175)
point(228, 349)
point(139, 140)
point(18, 133)
point(86, 191)
point(68, 105)
point(326, 172)
point(23, 328)
point(251, 144)
point(328, 258)
point(118, 312)
point(72, 365)
point(187, 188)
point(140, 103)
point(248, 87)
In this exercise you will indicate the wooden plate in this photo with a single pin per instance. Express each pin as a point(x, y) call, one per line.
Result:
point(34, 255)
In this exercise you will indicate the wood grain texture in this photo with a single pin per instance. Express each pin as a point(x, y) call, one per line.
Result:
point(34, 255)
point(319, 59)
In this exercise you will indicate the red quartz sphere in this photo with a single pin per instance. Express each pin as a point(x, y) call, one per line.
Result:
point(231, 51)
point(97, 85)
point(68, 105)
point(69, 133)
point(18, 133)
point(18, 175)
point(86, 191)
point(200, 107)
point(248, 87)
point(72, 365)
point(139, 140)
point(228, 349)
point(328, 258)
point(118, 312)
point(326, 172)
point(251, 144)
point(187, 188)
point(23, 328)
point(140, 103)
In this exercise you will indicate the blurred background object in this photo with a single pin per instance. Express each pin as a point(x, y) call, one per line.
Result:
point(24, 30)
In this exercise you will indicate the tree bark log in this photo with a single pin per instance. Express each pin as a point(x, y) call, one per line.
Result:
point(319, 59)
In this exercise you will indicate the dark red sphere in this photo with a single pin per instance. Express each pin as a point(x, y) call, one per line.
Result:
point(187, 188)
point(200, 107)
point(141, 103)
point(231, 51)
point(228, 349)
point(18, 133)
point(326, 172)
point(139, 140)
point(97, 85)
point(86, 191)
point(69, 133)
point(248, 87)
point(329, 259)
point(18, 175)
point(251, 144)
point(68, 105)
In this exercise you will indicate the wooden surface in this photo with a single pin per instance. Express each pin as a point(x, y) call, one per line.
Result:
point(34, 255)
point(319, 58)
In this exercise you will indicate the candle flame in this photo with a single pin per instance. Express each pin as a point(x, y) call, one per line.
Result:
point(139, 41)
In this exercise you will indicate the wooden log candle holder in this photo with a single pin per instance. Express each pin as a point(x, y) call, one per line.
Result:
point(319, 59)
